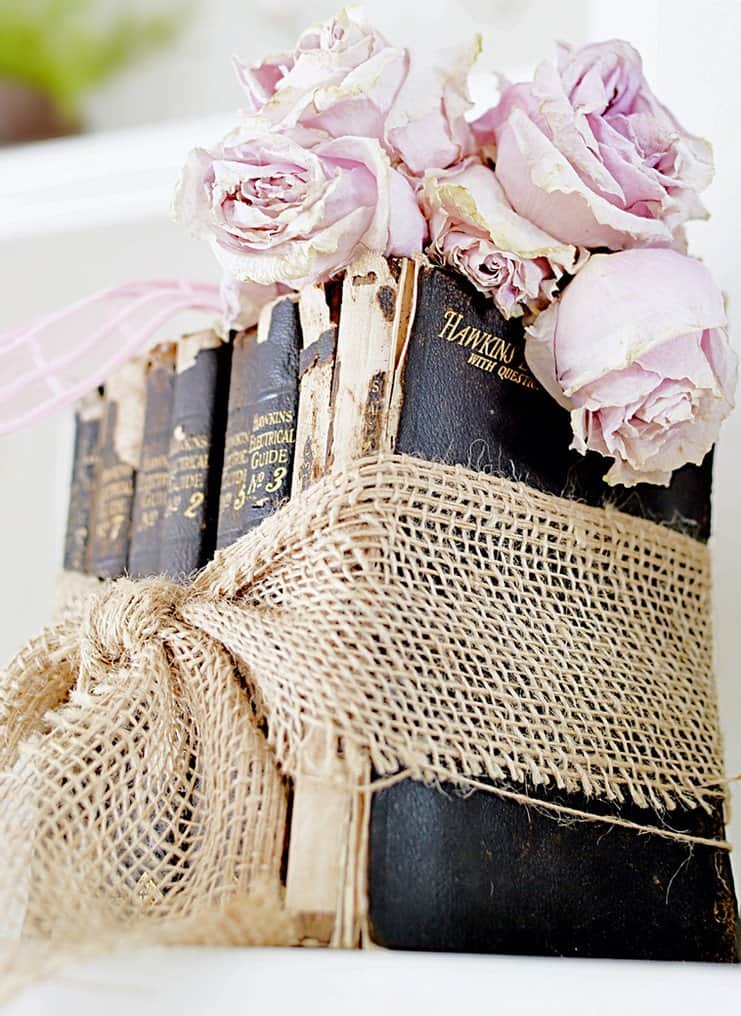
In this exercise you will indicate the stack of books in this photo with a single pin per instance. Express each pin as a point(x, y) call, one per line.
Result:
point(193, 445)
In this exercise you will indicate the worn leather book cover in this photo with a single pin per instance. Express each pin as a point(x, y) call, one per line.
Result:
point(478, 872)
point(196, 453)
point(150, 495)
point(88, 414)
point(118, 459)
point(261, 424)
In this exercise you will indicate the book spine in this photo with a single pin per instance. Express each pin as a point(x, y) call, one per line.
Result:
point(318, 812)
point(343, 416)
point(366, 357)
point(115, 474)
point(319, 308)
point(150, 495)
point(88, 414)
point(196, 453)
point(481, 873)
point(261, 425)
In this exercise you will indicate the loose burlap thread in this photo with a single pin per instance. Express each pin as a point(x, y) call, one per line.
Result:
point(453, 626)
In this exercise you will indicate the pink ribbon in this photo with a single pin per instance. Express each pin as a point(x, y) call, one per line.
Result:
point(53, 360)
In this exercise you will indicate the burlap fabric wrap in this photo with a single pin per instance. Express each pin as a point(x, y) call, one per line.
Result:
point(445, 624)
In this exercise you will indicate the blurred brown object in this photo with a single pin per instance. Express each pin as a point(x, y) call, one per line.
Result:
point(30, 115)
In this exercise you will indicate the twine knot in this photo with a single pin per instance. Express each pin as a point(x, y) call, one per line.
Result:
point(125, 616)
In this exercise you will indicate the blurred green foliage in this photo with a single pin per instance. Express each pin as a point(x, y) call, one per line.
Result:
point(66, 47)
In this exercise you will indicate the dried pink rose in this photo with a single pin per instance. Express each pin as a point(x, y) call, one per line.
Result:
point(474, 228)
point(636, 348)
point(295, 206)
point(260, 82)
point(589, 154)
point(342, 77)
point(427, 128)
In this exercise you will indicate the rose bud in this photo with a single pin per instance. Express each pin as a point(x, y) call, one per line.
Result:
point(342, 77)
point(295, 207)
point(589, 154)
point(636, 348)
point(474, 229)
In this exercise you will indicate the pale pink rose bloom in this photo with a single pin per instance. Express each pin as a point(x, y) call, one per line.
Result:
point(636, 348)
point(295, 207)
point(589, 154)
point(474, 228)
point(426, 127)
point(241, 302)
point(260, 82)
point(342, 77)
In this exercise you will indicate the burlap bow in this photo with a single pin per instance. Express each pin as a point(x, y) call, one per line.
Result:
point(447, 625)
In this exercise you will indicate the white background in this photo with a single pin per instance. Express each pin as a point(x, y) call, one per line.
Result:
point(304, 982)
point(691, 53)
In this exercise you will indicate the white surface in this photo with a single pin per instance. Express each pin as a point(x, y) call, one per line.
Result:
point(187, 982)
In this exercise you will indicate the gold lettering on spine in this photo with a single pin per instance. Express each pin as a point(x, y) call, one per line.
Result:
point(151, 492)
point(452, 320)
point(520, 377)
point(491, 353)
point(116, 492)
point(256, 461)
point(190, 463)
point(481, 362)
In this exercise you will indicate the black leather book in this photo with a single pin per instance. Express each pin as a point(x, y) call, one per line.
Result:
point(150, 496)
point(88, 413)
point(118, 457)
point(480, 873)
point(196, 453)
point(261, 426)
